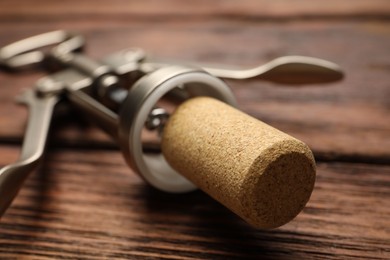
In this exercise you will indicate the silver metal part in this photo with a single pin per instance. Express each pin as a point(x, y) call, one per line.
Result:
point(141, 99)
point(65, 79)
point(288, 69)
point(126, 61)
point(25, 53)
point(157, 119)
point(13, 175)
point(72, 84)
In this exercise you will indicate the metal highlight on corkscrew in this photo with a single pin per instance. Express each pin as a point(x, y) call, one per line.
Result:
point(260, 173)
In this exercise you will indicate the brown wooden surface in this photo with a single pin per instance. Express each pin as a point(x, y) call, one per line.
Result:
point(85, 203)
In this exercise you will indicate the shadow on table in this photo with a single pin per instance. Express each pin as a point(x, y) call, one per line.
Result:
point(209, 227)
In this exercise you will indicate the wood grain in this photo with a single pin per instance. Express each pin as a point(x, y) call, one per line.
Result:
point(332, 119)
point(175, 9)
point(89, 205)
point(85, 203)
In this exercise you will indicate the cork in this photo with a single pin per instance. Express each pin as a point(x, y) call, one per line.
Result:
point(260, 173)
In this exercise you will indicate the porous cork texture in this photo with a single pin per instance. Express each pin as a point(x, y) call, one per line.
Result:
point(262, 174)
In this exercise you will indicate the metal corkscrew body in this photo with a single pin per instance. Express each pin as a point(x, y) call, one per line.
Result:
point(260, 173)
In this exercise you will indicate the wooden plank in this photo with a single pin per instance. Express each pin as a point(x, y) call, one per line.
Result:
point(203, 9)
point(349, 120)
point(89, 205)
point(85, 203)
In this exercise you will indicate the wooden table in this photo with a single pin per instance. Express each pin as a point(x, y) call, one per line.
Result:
point(85, 203)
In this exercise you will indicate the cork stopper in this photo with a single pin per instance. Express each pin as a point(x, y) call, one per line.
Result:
point(262, 174)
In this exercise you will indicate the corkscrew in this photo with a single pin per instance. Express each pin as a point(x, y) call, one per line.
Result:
point(261, 174)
